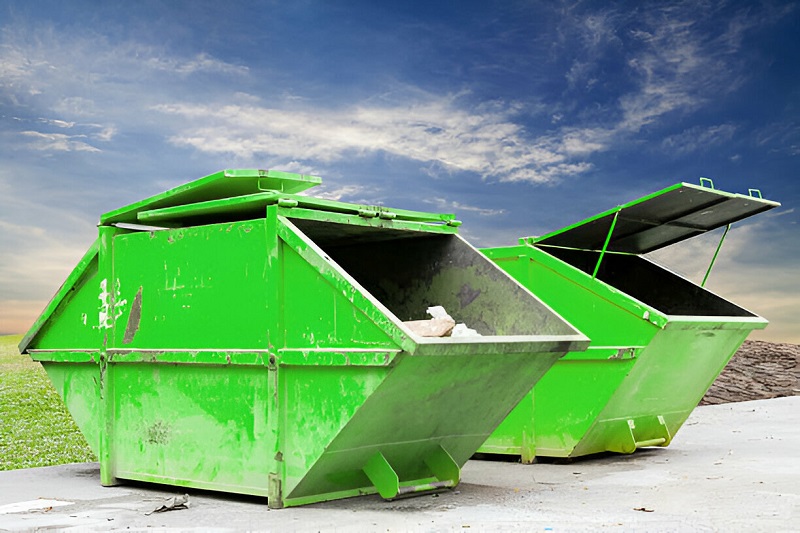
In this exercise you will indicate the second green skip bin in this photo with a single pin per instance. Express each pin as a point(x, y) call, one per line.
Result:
point(658, 341)
point(231, 334)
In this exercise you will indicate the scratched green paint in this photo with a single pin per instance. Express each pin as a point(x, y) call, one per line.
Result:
point(250, 349)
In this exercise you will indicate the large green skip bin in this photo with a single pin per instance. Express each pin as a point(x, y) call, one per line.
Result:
point(231, 334)
point(658, 341)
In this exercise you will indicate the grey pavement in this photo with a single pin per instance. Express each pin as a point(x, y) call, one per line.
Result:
point(732, 467)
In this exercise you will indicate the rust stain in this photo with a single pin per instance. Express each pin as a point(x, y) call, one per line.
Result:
point(158, 433)
point(134, 318)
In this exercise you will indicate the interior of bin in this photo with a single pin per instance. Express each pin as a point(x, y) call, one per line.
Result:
point(651, 284)
point(409, 271)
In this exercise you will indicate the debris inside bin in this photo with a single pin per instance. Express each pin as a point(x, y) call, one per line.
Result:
point(461, 330)
point(440, 325)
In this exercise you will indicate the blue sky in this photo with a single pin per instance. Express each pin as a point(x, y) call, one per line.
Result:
point(521, 117)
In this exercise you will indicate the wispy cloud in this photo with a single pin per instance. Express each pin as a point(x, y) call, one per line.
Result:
point(200, 63)
point(677, 58)
point(485, 141)
point(58, 142)
point(79, 139)
point(699, 138)
point(443, 204)
point(672, 65)
point(346, 192)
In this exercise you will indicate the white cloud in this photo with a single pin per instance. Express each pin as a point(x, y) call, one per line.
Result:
point(58, 123)
point(671, 69)
point(339, 193)
point(699, 138)
point(432, 130)
point(106, 134)
point(200, 63)
point(443, 204)
point(677, 59)
point(58, 142)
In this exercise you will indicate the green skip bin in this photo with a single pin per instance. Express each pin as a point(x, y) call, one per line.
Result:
point(658, 341)
point(231, 334)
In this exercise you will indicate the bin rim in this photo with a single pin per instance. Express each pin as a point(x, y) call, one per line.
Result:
point(673, 214)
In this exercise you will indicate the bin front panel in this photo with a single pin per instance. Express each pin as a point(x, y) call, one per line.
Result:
point(199, 287)
point(334, 299)
point(542, 424)
point(192, 425)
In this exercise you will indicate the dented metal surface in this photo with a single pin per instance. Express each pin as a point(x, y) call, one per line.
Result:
point(658, 340)
point(244, 349)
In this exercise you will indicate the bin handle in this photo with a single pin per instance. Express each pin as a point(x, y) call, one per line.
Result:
point(708, 181)
point(751, 191)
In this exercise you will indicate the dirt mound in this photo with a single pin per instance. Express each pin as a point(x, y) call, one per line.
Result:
point(758, 371)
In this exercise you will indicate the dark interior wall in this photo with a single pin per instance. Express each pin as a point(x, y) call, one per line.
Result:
point(651, 284)
point(409, 271)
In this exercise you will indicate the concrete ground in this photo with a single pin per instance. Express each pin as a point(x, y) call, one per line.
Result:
point(732, 467)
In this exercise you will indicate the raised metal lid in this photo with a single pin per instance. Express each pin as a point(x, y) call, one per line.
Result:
point(657, 220)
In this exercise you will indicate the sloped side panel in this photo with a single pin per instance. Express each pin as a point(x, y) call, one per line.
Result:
point(317, 401)
point(318, 312)
point(73, 319)
point(78, 384)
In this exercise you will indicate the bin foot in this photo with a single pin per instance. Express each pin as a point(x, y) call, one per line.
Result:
point(658, 435)
point(446, 474)
point(107, 478)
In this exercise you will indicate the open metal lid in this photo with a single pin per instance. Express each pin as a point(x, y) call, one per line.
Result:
point(657, 220)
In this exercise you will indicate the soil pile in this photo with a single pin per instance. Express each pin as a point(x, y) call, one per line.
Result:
point(758, 371)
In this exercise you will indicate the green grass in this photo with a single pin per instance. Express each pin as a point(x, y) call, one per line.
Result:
point(35, 427)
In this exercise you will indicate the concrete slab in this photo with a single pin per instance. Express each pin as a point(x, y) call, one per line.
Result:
point(732, 467)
